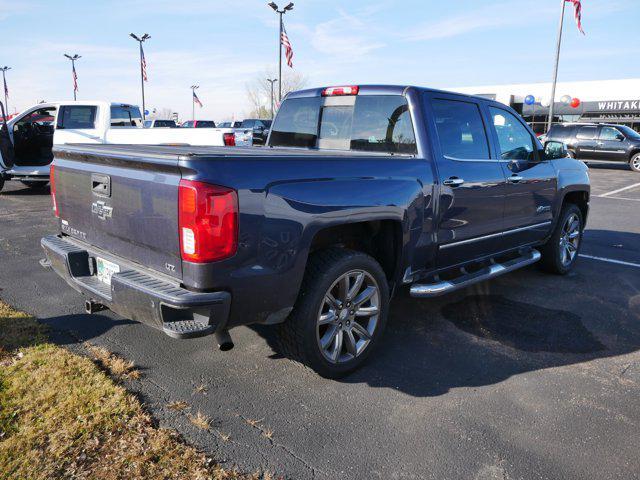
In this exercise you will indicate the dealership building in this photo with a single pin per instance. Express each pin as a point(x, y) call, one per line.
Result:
point(610, 101)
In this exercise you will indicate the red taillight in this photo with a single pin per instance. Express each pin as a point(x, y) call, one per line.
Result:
point(52, 186)
point(229, 139)
point(336, 91)
point(208, 221)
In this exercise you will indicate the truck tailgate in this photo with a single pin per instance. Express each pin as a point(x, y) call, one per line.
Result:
point(123, 204)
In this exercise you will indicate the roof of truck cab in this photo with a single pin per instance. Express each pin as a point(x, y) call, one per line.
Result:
point(382, 90)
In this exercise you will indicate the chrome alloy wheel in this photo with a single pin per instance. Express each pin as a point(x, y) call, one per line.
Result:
point(348, 316)
point(635, 163)
point(569, 239)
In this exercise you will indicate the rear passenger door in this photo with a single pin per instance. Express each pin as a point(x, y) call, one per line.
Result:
point(531, 181)
point(472, 181)
point(586, 138)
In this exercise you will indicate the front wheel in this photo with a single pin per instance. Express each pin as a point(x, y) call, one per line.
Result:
point(634, 163)
point(560, 253)
point(340, 313)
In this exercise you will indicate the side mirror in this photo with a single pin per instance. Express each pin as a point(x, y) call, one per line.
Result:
point(554, 150)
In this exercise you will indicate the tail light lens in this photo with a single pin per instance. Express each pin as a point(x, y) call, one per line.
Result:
point(208, 221)
point(229, 139)
point(52, 183)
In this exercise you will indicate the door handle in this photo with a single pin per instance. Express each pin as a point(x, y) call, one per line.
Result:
point(514, 178)
point(453, 182)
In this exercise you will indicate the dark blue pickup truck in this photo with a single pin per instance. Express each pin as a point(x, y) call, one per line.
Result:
point(359, 191)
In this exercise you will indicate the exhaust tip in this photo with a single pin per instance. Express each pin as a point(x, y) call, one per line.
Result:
point(224, 340)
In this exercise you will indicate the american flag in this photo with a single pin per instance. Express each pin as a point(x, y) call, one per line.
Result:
point(75, 79)
point(577, 5)
point(196, 99)
point(288, 51)
point(143, 64)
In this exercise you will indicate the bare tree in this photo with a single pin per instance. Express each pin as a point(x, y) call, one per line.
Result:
point(259, 91)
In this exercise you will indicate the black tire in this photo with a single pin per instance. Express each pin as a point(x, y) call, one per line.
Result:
point(299, 337)
point(1, 182)
point(634, 163)
point(552, 251)
point(35, 185)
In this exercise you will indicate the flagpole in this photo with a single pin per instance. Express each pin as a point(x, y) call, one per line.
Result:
point(73, 72)
point(4, 81)
point(555, 67)
point(280, 61)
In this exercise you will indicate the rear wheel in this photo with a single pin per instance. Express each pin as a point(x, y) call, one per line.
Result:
point(560, 253)
point(1, 182)
point(634, 163)
point(340, 314)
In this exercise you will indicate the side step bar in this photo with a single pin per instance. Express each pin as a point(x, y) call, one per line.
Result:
point(428, 290)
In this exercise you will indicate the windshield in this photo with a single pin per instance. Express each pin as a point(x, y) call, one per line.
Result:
point(371, 123)
point(629, 132)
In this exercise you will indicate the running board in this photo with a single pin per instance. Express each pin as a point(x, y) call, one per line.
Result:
point(428, 290)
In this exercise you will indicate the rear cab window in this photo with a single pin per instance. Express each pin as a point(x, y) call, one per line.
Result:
point(125, 116)
point(370, 123)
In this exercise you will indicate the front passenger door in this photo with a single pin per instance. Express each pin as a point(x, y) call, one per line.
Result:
point(611, 145)
point(531, 181)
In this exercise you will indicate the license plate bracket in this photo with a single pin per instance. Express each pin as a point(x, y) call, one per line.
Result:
point(105, 270)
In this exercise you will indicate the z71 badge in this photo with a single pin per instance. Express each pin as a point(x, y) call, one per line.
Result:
point(102, 210)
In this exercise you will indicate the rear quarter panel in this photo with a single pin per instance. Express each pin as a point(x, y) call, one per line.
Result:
point(285, 202)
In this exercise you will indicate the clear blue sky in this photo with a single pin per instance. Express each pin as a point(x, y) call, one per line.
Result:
point(223, 44)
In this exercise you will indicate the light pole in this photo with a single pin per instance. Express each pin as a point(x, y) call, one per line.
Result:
point(193, 101)
point(280, 13)
point(73, 72)
point(272, 81)
point(143, 66)
point(6, 90)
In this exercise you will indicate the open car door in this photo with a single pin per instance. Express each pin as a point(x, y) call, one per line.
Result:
point(7, 152)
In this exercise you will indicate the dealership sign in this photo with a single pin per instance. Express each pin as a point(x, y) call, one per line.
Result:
point(618, 106)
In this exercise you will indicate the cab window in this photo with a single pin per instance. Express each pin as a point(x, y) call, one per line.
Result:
point(77, 117)
point(586, 133)
point(125, 116)
point(515, 141)
point(611, 133)
point(460, 130)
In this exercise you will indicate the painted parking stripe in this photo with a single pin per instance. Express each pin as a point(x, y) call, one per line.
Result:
point(613, 192)
point(611, 260)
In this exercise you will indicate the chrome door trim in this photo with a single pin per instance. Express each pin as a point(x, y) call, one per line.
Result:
point(493, 235)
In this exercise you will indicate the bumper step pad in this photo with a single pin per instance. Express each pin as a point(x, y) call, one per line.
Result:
point(187, 329)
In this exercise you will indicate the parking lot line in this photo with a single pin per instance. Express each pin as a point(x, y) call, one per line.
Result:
point(611, 260)
point(613, 192)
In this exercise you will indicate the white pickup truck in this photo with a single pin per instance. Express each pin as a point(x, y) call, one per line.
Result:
point(26, 154)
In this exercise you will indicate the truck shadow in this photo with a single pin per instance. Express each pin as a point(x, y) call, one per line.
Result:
point(519, 323)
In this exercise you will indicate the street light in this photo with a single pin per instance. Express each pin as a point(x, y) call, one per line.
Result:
point(193, 101)
point(6, 90)
point(73, 72)
point(272, 81)
point(286, 9)
point(143, 66)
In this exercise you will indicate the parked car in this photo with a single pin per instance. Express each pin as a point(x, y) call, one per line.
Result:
point(199, 124)
point(360, 191)
point(593, 141)
point(27, 153)
point(235, 124)
point(160, 124)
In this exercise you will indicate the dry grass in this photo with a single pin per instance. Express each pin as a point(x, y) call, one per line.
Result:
point(202, 388)
point(268, 433)
point(224, 436)
point(200, 420)
point(178, 406)
point(61, 416)
point(254, 423)
point(115, 365)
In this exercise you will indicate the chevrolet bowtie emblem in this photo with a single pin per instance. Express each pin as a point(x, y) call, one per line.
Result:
point(102, 210)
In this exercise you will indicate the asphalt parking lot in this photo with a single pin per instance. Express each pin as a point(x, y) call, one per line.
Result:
point(527, 376)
